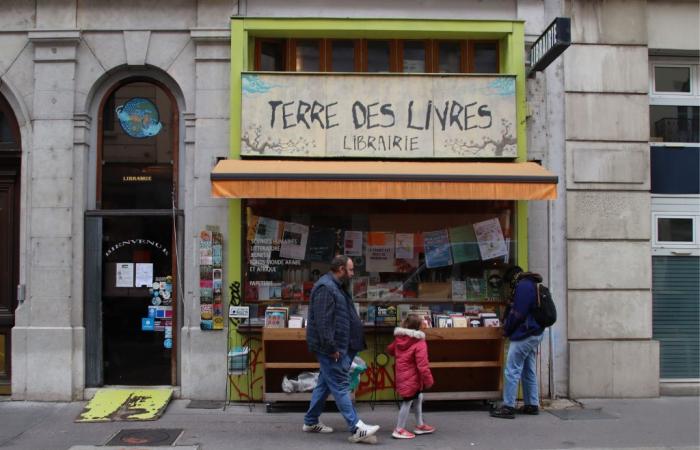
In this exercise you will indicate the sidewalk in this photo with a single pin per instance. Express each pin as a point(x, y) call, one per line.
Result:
point(666, 422)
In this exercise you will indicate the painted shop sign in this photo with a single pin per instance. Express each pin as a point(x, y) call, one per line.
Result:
point(378, 116)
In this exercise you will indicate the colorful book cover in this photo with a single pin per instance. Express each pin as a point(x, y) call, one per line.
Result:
point(352, 243)
point(437, 249)
point(464, 245)
point(321, 244)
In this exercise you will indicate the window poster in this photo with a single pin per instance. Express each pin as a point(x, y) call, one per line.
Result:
point(490, 239)
point(437, 249)
point(144, 274)
point(464, 245)
point(404, 246)
point(380, 251)
point(267, 230)
point(294, 239)
point(125, 275)
point(321, 246)
point(352, 243)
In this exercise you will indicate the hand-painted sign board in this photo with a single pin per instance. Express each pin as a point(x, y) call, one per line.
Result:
point(378, 116)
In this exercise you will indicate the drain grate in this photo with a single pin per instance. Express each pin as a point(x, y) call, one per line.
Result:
point(154, 437)
point(581, 414)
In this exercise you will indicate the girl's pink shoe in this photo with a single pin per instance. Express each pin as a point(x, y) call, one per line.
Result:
point(424, 429)
point(400, 433)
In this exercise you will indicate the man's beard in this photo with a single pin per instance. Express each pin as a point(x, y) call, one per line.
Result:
point(345, 283)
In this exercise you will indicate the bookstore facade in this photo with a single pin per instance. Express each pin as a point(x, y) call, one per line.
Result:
point(404, 150)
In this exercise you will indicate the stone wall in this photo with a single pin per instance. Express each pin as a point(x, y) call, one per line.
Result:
point(611, 353)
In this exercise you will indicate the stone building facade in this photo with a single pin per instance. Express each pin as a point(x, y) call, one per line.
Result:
point(588, 122)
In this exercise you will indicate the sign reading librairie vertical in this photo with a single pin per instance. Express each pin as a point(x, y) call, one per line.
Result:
point(378, 116)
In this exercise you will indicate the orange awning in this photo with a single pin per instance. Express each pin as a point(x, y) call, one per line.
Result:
point(379, 180)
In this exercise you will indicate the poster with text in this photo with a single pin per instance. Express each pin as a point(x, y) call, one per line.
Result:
point(380, 252)
point(144, 274)
point(125, 275)
point(294, 238)
point(490, 238)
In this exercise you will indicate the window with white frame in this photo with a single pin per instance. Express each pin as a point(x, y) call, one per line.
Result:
point(674, 101)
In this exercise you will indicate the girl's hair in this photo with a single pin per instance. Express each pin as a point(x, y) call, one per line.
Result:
point(413, 321)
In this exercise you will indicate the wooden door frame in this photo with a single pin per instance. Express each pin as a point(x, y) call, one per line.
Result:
point(175, 125)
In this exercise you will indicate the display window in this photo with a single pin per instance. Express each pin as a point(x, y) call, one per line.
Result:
point(446, 255)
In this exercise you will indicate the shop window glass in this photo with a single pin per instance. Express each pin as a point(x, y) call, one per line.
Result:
point(137, 149)
point(308, 56)
point(672, 79)
point(674, 229)
point(378, 56)
point(485, 57)
point(414, 57)
point(443, 254)
point(449, 57)
point(271, 56)
point(674, 123)
point(343, 56)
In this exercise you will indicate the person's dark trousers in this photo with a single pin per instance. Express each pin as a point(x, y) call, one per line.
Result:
point(334, 378)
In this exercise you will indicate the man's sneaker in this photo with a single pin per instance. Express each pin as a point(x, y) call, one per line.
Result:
point(363, 432)
point(504, 412)
point(317, 428)
point(400, 433)
point(532, 410)
point(424, 429)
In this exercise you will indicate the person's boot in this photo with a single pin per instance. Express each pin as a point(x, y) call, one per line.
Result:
point(504, 412)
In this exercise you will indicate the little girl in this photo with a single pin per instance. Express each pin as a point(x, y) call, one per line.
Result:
point(412, 374)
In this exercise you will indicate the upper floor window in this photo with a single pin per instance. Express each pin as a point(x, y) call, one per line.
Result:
point(376, 55)
point(674, 101)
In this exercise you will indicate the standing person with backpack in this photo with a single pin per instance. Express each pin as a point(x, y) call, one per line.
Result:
point(525, 335)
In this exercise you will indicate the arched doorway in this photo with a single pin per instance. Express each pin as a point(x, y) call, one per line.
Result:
point(131, 280)
point(10, 157)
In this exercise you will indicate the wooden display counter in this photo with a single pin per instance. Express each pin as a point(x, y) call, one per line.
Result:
point(467, 363)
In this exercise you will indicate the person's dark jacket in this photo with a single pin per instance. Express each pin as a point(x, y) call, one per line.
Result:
point(333, 324)
point(519, 323)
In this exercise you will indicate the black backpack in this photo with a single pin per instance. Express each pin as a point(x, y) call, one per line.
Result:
point(544, 312)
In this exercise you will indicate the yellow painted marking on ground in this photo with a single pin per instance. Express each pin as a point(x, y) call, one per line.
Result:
point(125, 404)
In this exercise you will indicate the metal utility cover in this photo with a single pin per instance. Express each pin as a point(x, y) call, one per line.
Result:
point(154, 437)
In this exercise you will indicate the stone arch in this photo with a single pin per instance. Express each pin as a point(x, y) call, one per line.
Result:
point(92, 109)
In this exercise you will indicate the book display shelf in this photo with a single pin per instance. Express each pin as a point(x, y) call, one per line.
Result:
point(467, 363)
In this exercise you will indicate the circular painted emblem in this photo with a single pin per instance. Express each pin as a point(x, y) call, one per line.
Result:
point(139, 118)
point(168, 343)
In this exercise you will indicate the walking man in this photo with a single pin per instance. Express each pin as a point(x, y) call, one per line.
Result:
point(525, 335)
point(334, 334)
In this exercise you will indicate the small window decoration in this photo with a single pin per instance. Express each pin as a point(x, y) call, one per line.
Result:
point(139, 118)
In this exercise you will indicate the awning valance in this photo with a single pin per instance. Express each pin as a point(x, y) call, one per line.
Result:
point(378, 180)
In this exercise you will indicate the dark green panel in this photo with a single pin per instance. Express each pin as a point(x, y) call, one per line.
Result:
point(676, 297)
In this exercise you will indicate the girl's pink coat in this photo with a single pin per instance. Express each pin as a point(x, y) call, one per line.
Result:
point(412, 366)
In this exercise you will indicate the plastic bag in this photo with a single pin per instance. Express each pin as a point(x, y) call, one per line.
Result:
point(305, 382)
point(357, 368)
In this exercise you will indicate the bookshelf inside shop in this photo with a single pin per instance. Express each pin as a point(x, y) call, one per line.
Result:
point(442, 260)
